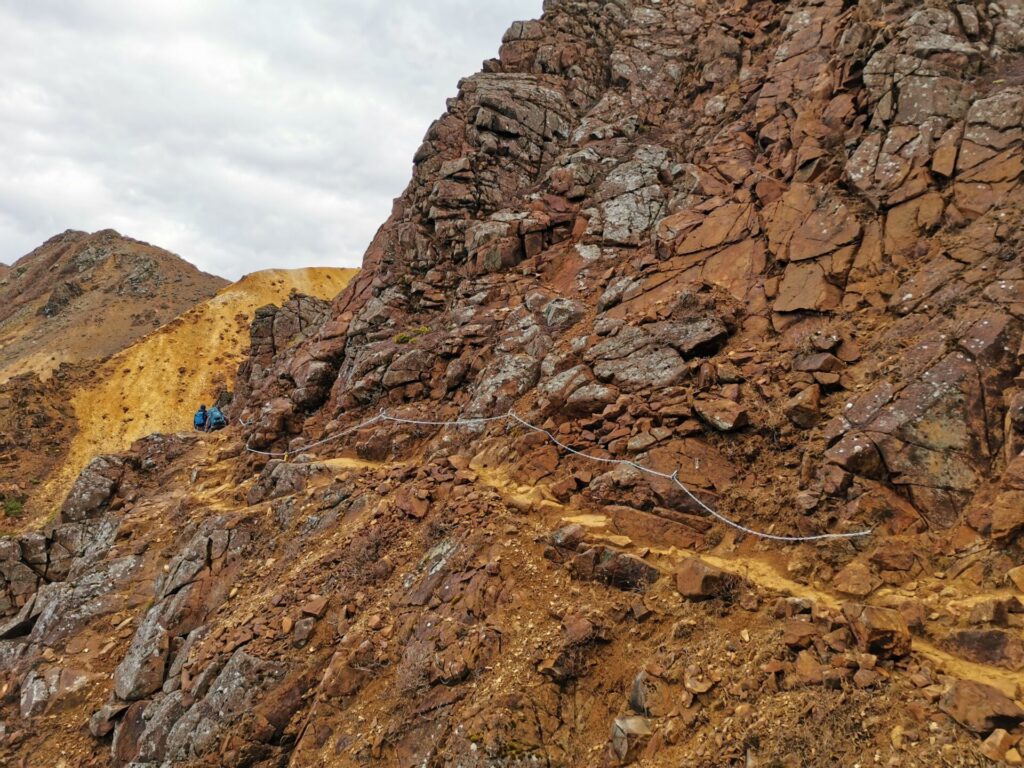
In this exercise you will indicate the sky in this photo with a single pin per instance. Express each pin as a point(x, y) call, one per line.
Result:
point(239, 135)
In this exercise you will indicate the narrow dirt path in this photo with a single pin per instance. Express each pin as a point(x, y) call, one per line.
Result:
point(759, 570)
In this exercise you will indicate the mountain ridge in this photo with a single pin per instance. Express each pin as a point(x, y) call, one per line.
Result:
point(91, 283)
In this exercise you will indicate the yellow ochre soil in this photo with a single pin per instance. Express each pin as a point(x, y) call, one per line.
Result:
point(156, 384)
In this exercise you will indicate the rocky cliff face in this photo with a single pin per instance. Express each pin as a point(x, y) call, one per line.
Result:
point(769, 248)
point(799, 219)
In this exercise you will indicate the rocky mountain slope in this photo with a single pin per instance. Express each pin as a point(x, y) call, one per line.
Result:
point(768, 249)
point(81, 297)
point(53, 422)
point(64, 308)
point(155, 384)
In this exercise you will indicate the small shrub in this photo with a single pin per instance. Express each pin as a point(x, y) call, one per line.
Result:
point(407, 337)
point(13, 507)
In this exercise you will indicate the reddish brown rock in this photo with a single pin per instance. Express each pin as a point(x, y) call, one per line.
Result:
point(990, 646)
point(980, 708)
point(1008, 515)
point(881, 631)
point(855, 579)
point(804, 409)
point(723, 415)
point(697, 580)
point(316, 606)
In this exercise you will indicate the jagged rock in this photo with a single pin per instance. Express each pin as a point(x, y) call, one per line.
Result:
point(234, 691)
point(804, 410)
point(615, 568)
point(697, 580)
point(630, 735)
point(141, 672)
point(52, 688)
point(102, 722)
point(282, 478)
point(990, 646)
point(724, 415)
point(1008, 515)
point(627, 188)
point(93, 489)
point(880, 631)
point(980, 708)
point(855, 579)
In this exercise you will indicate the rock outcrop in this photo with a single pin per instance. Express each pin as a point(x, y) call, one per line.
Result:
point(768, 250)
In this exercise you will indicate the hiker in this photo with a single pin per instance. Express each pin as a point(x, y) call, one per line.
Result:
point(199, 420)
point(215, 420)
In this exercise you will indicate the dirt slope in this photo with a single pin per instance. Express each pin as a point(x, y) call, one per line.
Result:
point(81, 297)
point(156, 384)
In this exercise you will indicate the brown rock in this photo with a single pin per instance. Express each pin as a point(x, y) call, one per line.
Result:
point(1008, 515)
point(1016, 577)
point(797, 634)
point(316, 606)
point(697, 580)
point(990, 646)
point(881, 631)
point(804, 410)
point(855, 579)
point(630, 736)
point(822, 361)
point(724, 415)
point(808, 668)
point(980, 708)
point(997, 745)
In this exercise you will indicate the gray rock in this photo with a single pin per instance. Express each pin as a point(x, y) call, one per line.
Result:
point(240, 684)
point(93, 489)
point(141, 672)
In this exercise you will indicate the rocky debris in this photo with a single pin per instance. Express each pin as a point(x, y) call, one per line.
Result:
point(771, 249)
point(176, 731)
point(282, 478)
point(195, 582)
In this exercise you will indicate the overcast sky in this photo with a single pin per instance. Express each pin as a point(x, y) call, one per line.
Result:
point(240, 135)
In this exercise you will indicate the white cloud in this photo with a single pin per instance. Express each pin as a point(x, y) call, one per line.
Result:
point(239, 135)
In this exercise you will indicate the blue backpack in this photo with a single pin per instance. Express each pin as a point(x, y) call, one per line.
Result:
point(216, 419)
point(200, 419)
